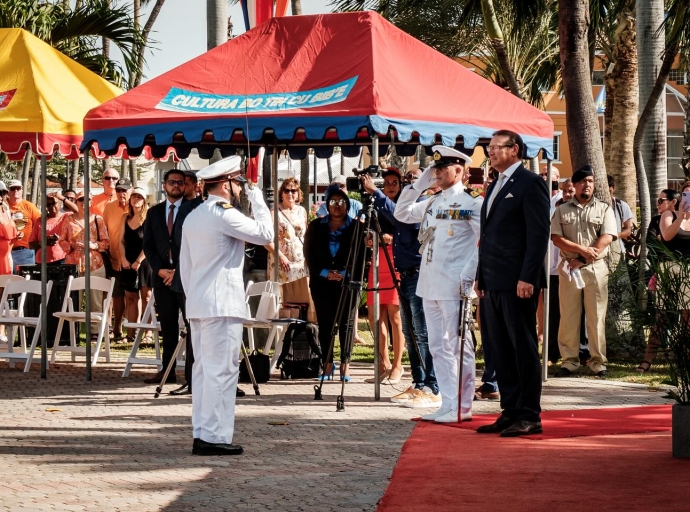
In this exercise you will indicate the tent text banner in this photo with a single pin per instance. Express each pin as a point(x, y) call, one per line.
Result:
point(180, 100)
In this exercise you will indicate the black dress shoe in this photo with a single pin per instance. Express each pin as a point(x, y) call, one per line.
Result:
point(181, 391)
point(563, 372)
point(195, 445)
point(204, 448)
point(159, 376)
point(497, 426)
point(522, 428)
point(239, 393)
point(603, 374)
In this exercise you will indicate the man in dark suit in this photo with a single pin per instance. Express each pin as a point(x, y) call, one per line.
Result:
point(163, 256)
point(515, 227)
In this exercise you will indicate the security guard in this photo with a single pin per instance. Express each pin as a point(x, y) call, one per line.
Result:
point(583, 228)
point(211, 261)
point(449, 233)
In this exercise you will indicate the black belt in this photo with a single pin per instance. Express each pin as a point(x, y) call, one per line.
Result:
point(20, 249)
point(409, 272)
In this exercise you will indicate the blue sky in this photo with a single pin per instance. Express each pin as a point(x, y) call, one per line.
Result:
point(180, 31)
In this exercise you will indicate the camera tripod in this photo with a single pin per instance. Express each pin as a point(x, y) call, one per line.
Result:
point(350, 295)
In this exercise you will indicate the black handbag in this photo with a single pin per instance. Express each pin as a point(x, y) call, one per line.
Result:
point(261, 366)
point(129, 280)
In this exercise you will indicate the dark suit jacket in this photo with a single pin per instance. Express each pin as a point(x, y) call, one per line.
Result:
point(158, 243)
point(185, 209)
point(317, 252)
point(515, 234)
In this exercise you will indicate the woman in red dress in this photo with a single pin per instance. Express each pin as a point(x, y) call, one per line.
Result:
point(389, 307)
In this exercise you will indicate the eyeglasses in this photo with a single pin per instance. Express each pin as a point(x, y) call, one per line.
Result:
point(175, 182)
point(14, 189)
point(291, 191)
point(111, 178)
point(499, 146)
point(337, 202)
point(661, 201)
point(80, 199)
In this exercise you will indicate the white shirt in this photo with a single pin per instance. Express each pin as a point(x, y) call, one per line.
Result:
point(627, 215)
point(177, 205)
point(506, 176)
point(212, 255)
point(454, 246)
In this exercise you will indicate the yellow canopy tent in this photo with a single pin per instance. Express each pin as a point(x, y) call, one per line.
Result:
point(44, 96)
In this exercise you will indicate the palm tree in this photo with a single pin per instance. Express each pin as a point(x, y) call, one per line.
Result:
point(76, 32)
point(650, 14)
point(216, 23)
point(581, 120)
point(144, 34)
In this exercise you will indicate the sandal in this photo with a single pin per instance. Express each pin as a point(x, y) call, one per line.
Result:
point(642, 369)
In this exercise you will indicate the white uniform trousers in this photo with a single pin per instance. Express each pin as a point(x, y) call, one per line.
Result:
point(442, 321)
point(216, 343)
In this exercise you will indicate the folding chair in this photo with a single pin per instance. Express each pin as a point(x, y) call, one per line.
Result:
point(19, 303)
point(267, 316)
point(68, 314)
point(148, 323)
point(16, 318)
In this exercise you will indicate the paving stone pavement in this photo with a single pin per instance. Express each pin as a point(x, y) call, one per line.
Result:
point(109, 445)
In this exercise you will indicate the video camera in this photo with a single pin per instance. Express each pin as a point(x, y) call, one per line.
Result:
point(355, 184)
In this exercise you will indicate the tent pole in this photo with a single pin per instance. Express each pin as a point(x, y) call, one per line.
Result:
point(87, 259)
point(276, 201)
point(375, 327)
point(44, 271)
point(547, 294)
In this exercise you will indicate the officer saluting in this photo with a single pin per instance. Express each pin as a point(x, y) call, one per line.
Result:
point(449, 233)
point(211, 261)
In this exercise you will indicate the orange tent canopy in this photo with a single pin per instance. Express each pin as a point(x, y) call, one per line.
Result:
point(44, 96)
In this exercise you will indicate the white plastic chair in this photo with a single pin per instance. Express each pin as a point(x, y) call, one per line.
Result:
point(266, 316)
point(16, 318)
point(72, 316)
point(148, 323)
point(12, 331)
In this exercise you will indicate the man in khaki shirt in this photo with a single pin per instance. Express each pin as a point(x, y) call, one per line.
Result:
point(113, 216)
point(583, 228)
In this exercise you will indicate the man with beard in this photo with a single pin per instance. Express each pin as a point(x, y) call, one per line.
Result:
point(163, 256)
point(583, 228)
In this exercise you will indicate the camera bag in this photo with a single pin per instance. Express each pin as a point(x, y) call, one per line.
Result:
point(301, 354)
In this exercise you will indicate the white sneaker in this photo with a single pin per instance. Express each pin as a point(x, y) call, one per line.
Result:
point(449, 417)
point(424, 399)
point(406, 396)
point(436, 414)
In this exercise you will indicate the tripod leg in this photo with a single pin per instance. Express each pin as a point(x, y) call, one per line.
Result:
point(245, 355)
point(180, 344)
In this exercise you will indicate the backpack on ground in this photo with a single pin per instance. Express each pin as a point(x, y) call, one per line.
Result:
point(301, 354)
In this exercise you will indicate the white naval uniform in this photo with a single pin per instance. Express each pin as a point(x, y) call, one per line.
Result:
point(448, 261)
point(211, 261)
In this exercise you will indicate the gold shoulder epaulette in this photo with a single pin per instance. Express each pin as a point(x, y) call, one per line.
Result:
point(472, 192)
point(224, 205)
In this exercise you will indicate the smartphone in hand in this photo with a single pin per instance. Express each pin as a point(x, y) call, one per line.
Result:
point(685, 202)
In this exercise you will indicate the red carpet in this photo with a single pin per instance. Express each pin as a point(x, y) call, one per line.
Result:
point(453, 469)
point(590, 422)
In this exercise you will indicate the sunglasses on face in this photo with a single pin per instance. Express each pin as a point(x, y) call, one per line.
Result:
point(111, 178)
point(80, 200)
point(175, 182)
point(290, 191)
point(660, 201)
point(337, 202)
point(50, 204)
point(120, 191)
point(14, 189)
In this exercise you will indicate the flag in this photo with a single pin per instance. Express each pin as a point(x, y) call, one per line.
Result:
point(255, 12)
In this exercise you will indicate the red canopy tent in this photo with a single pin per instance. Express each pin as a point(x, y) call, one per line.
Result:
point(320, 81)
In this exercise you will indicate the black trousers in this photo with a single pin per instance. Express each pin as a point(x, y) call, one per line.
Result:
point(326, 296)
point(509, 326)
point(168, 307)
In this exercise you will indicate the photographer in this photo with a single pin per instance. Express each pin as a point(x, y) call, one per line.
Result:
point(407, 259)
